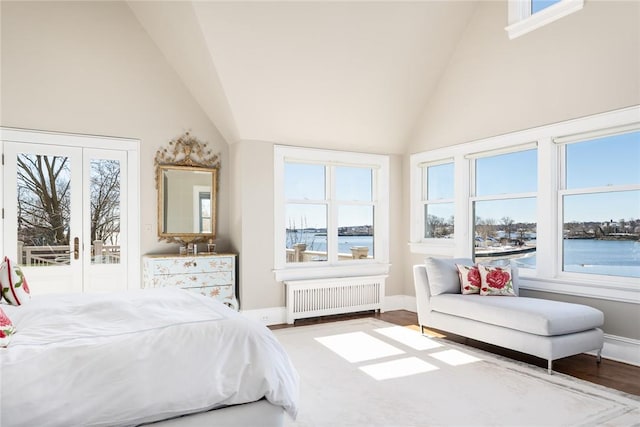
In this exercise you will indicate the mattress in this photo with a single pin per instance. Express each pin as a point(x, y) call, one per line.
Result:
point(134, 357)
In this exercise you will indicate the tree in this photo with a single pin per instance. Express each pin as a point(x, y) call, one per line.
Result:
point(43, 200)
point(105, 200)
point(508, 224)
point(44, 195)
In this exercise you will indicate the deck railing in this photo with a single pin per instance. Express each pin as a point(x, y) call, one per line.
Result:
point(299, 254)
point(46, 255)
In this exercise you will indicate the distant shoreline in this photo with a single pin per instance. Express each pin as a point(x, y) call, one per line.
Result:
point(616, 237)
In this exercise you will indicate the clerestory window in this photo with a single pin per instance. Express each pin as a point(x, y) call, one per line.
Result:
point(527, 15)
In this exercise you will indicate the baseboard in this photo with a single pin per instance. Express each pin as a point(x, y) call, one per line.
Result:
point(268, 316)
point(621, 349)
point(399, 302)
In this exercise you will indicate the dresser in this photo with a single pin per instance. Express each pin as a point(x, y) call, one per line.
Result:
point(212, 275)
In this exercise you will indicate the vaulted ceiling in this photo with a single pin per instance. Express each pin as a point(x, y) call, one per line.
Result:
point(348, 75)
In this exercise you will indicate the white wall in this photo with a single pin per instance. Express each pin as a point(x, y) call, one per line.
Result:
point(253, 225)
point(580, 65)
point(89, 67)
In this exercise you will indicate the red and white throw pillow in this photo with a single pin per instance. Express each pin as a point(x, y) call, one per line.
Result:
point(469, 279)
point(6, 329)
point(496, 280)
point(15, 289)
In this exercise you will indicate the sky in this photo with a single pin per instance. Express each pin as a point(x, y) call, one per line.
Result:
point(603, 162)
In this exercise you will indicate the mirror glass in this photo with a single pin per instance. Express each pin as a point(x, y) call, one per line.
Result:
point(187, 202)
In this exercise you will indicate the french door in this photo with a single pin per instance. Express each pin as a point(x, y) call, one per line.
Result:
point(67, 220)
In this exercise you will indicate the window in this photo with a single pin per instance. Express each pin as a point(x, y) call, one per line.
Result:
point(600, 205)
point(528, 15)
point(437, 189)
point(331, 211)
point(562, 202)
point(504, 207)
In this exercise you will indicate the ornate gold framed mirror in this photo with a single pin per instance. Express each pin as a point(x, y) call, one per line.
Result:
point(187, 184)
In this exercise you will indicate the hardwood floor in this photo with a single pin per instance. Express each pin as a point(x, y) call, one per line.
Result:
point(609, 373)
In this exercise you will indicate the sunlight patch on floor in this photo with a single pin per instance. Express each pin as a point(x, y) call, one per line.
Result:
point(398, 368)
point(358, 346)
point(454, 357)
point(409, 338)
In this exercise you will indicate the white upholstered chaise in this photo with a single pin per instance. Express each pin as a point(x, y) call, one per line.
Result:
point(543, 328)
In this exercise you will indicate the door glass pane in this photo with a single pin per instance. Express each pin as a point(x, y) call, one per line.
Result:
point(105, 211)
point(601, 233)
point(355, 232)
point(506, 230)
point(507, 173)
point(438, 223)
point(306, 232)
point(354, 184)
point(44, 191)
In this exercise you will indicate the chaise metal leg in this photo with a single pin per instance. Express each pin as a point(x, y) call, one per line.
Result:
point(422, 329)
point(599, 356)
point(549, 366)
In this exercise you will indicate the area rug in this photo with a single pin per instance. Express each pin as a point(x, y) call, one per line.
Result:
point(367, 372)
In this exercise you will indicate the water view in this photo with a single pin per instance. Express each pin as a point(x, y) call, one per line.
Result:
point(594, 256)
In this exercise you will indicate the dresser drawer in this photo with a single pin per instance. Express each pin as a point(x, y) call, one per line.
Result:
point(192, 280)
point(189, 265)
point(217, 292)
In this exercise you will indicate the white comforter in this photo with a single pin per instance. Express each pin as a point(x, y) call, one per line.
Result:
point(133, 357)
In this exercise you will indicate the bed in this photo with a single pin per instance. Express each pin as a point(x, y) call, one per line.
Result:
point(164, 357)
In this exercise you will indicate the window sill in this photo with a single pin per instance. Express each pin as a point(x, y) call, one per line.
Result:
point(437, 247)
point(591, 289)
point(327, 271)
point(543, 17)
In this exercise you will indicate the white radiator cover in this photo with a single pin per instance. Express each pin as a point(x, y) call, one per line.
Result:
point(322, 297)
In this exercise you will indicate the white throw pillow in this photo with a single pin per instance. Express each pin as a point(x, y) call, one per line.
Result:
point(443, 274)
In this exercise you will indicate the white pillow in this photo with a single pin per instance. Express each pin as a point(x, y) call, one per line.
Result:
point(443, 274)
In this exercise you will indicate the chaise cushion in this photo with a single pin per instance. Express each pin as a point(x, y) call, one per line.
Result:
point(532, 315)
point(443, 274)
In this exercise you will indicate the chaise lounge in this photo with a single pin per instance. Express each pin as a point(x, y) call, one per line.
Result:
point(543, 328)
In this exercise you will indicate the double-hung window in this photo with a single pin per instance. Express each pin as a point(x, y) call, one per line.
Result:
point(331, 213)
point(437, 193)
point(564, 208)
point(504, 205)
point(600, 204)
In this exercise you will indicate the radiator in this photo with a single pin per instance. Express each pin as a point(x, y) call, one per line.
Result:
point(321, 297)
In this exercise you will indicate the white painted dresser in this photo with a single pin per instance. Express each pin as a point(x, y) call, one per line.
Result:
point(212, 275)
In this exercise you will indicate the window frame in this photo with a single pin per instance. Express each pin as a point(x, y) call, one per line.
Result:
point(426, 201)
point(379, 263)
point(522, 21)
point(473, 197)
point(548, 275)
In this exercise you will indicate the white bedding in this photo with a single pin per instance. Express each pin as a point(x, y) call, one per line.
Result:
point(133, 357)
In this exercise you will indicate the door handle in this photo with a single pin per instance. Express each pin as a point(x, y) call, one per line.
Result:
point(76, 248)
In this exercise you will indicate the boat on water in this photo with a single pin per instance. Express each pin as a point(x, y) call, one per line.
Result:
point(495, 251)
